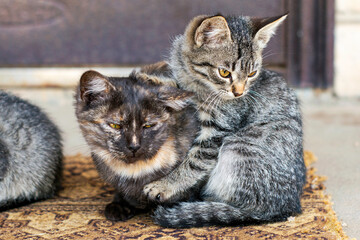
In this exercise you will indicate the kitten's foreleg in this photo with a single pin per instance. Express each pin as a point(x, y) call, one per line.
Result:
point(4, 160)
point(193, 171)
point(119, 209)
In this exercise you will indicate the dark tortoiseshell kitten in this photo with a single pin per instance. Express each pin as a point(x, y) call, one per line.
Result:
point(137, 132)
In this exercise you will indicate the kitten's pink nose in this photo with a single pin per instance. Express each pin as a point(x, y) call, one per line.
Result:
point(238, 89)
point(236, 94)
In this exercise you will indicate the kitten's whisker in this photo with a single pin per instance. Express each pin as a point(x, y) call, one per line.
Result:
point(212, 101)
point(250, 100)
point(246, 101)
point(205, 102)
point(254, 94)
point(212, 93)
point(268, 52)
point(216, 102)
point(221, 100)
point(108, 155)
point(213, 96)
point(261, 97)
point(256, 103)
point(255, 100)
point(209, 104)
point(269, 55)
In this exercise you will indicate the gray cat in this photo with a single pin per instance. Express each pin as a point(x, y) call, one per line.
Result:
point(247, 159)
point(30, 153)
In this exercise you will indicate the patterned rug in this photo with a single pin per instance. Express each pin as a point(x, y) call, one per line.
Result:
point(78, 213)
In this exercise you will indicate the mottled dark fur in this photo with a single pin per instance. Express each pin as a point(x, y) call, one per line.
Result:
point(30, 153)
point(247, 160)
point(156, 129)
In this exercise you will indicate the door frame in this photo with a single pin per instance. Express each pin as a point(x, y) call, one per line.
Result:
point(310, 49)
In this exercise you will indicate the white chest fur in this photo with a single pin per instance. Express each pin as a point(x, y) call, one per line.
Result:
point(222, 183)
point(166, 157)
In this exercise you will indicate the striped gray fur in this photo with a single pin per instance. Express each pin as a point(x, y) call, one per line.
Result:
point(30, 153)
point(247, 160)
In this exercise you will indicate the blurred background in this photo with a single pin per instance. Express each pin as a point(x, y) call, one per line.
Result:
point(45, 46)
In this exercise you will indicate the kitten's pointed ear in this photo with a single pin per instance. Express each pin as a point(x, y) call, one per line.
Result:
point(212, 32)
point(174, 98)
point(265, 28)
point(93, 86)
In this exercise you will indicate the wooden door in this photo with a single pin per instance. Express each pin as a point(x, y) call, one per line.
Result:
point(132, 32)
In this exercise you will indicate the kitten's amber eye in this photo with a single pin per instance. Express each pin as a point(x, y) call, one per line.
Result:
point(252, 74)
point(224, 73)
point(115, 126)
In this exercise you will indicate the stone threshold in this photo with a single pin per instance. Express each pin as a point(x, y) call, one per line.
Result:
point(68, 77)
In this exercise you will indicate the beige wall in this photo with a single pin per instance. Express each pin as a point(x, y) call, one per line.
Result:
point(347, 48)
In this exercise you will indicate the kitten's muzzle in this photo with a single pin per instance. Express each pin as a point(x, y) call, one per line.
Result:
point(238, 89)
point(236, 94)
point(134, 148)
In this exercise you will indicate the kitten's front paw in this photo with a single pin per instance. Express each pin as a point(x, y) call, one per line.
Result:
point(157, 192)
point(116, 212)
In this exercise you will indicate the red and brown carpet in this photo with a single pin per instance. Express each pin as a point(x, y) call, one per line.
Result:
point(77, 213)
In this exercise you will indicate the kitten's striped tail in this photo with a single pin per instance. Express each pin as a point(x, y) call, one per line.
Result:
point(199, 214)
point(4, 159)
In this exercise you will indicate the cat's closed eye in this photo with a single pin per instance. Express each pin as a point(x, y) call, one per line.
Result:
point(149, 125)
point(115, 126)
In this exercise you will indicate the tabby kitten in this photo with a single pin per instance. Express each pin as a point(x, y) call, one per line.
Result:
point(137, 132)
point(247, 159)
point(30, 153)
